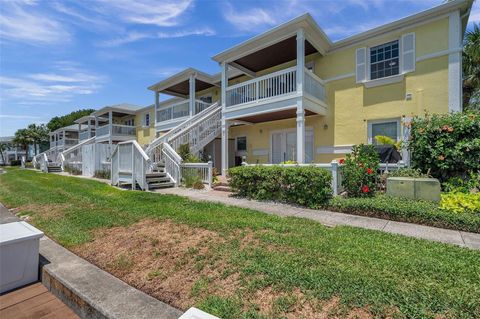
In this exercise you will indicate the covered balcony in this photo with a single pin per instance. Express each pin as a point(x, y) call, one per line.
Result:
point(86, 127)
point(115, 123)
point(193, 92)
point(278, 82)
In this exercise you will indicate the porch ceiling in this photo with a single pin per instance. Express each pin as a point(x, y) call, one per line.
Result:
point(182, 88)
point(278, 53)
point(273, 116)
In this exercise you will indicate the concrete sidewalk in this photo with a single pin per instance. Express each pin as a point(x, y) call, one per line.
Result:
point(464, 239)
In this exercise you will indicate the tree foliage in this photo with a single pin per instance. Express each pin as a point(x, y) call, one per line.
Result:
point(446, 145)
point(471, 69)
point(68, 119)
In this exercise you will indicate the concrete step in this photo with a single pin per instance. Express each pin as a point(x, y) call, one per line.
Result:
point(158, 179)
point(222, 188)
point(161, 185)
point(155, 174)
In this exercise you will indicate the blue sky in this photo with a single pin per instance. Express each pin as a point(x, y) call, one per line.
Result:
point(59, 56)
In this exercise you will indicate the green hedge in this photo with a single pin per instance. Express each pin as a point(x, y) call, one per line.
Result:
point(405, 210)
point(303, 185)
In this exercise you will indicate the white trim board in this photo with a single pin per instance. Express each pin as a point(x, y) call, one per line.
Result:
point(334, 149)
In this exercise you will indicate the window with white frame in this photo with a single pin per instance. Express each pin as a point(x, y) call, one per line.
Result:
point(389, 128)
point(241, 144)
point(146, 119)
point(384, 60)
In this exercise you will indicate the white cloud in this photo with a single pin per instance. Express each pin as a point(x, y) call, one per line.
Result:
point(19, 117)
point(44, 87)
point(127, 38)
point(21, 21)
point(185, 33)
point(165, 13)
point(249, 20)
point(137, 36)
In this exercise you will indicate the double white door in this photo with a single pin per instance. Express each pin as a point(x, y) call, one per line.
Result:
point(284, 146)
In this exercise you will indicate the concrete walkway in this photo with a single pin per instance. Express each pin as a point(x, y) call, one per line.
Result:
point(464, 239)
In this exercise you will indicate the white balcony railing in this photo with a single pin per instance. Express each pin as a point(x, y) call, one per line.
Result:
point(116, 129)
point(200, 106)
point(272, 85)
point(84, 135)
point(179, 110)
point(174, 111)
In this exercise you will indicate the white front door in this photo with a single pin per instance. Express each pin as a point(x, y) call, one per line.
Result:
point(284, 146)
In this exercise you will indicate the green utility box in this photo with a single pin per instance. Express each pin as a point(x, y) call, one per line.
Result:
point(414, 188)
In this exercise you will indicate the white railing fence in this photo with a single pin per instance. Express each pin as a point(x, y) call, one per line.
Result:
point(43, 161)
point(199, 133)
point(172, 163)
point(314, 86)
point(336, 169)
point(72, 157)
point(203, 170)
point(23, 161)
point(174, 111)
point(129, 164)
point(263, 87)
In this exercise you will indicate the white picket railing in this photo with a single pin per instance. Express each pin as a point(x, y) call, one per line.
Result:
point(23, 161)
point(43, 161)
point(174, 111)
point(129, 164)
point(314, 86)
point(336, 169)
point(267, 86)
point(201, 106)
point(84, 135)
point(153, 150)
point(202, 170)
point(275, 84)
point(199, 133)
point(172, 163)
point(73, 156)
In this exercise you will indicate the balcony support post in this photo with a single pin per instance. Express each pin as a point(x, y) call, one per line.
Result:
point(300, 108)
point(224, 122)
point(110, 127)
point(157, 105)
point(191, 94)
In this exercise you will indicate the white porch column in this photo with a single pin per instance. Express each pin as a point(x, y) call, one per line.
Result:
point(89, 128)
point(110, 129)
point(455, 98)
point(191, 94)
point(157, 104)
point(300, 110)
point(224, 122)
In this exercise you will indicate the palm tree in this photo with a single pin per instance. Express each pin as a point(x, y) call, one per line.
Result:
point(471, 68)
point(3, 148)
point(38, 134)
point(23, 138)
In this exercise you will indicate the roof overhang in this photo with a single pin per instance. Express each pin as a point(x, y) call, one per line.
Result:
point(117, 110)
point(313, 34)
point(178, 84)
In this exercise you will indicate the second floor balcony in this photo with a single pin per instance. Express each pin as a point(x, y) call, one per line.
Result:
point(115, 132)
point(85, 135)
point(178, 112)
point(277, 90)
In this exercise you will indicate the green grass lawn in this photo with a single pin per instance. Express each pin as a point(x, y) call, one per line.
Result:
point(381, 273)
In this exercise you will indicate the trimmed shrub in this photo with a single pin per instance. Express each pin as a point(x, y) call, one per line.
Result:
point(15, 162)
point(103, 174)
point(446, 145)
point(72, 170)
point(303, 185)
point(405, 210)
point(360, 171)
point(461, 203)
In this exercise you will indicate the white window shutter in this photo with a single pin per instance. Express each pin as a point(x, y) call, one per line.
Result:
point(361, 62)
point(408, 52)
